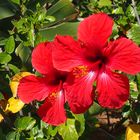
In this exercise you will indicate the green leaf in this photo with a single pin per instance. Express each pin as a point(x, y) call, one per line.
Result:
point(62, 9)
point(16, 1)
point(5, 58)
point(5, 9)
point(11, 135)
point(23, 52)
point(134, 33)
point(50, 131)
point(138, 82)
point(14, 68)
point(1, 96)
point(80, 123)
point(24, 123)
point(10, 45)
point(68, 130)
point(63, 29)
point(104, 3)
point(95, 109)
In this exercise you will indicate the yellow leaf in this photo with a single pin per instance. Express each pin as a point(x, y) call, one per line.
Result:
point(14, 105)
point(1, 118)
point(133, 132)
point(15, 81)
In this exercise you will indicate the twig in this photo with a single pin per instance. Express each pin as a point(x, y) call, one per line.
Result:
point(135, 11)
point(108, 119)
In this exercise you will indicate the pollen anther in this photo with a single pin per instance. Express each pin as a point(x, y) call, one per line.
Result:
point(80, 71)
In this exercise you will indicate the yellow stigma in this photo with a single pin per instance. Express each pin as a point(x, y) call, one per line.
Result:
point(80, 71)
point(52, 96)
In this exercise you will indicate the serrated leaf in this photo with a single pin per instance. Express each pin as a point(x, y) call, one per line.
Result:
point(134, 33)
point(14, 105)
point(10, 45)
point(133, 132)
point(25, 123)
point(68, 130)
point(5, 58)
point(15, 81)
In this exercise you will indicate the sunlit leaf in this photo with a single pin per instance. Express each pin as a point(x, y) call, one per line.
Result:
point(14, 68)
point(5, 58)
point(80, 123)
point(25, 123)
point(14, 105)
point(50, 130)
point(104, 3)
point(16, 1)
point(134, 33)
point(11, 135)
point(133, 132)
point(10, 45)
point(68, 130)
point(15, 81)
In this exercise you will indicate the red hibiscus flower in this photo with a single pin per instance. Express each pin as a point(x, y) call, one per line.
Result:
point(49, 86)
point(93, 59)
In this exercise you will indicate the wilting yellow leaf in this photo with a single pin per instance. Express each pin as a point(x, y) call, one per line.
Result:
point(14, 105)
point(15, 81)
point(133, 132)
point(1, 118)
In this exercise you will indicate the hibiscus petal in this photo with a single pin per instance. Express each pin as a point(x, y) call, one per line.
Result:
point(123, 55)
point(79, 93)
point(95, 30)
point(33, 88)
point(67, 53)
point(113, 89)
point(42, 58)
point(52, 111)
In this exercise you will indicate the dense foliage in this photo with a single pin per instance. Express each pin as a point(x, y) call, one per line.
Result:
point(24, 24)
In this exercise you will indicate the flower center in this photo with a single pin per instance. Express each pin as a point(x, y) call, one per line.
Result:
point(80, 71)
point(52, 96)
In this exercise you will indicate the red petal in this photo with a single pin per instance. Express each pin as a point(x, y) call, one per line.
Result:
point(52, 111)
point(33, 88)
point(95, 30)
point(113, 89)
point(124, 55)
point(42, 58)
point(67, 53)
point(79, 93)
